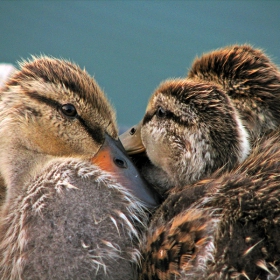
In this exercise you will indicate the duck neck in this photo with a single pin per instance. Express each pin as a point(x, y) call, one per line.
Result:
point(19, 165)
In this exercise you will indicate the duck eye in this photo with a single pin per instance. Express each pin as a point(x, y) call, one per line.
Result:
point(120, 162)
point(69, 110)
point(132, 131)
point(161, 113)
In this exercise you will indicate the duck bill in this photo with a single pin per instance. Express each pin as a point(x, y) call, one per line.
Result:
point(112, 158)
point(131, 140)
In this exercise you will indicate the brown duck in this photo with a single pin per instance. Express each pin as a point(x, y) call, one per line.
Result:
point(252, 83)
point(190, 129)
point(251, 80)
point(194, 233)
point(74, 202)
point(224, 227)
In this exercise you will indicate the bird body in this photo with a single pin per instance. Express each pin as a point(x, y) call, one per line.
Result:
point(223, 227)
point(190, 129)
point(220, 214)
point(74, 203)
point(193, 106)
point(251, 80)
point(72, 222)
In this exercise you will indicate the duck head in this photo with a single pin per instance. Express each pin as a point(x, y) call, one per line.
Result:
point(190, 129)
point(251, 80)
point(74, 202)
point(52, 109)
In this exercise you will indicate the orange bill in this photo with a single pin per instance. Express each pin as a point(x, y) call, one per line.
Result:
point(112, 158)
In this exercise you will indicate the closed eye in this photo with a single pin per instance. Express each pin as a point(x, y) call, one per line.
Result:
point(161, 113)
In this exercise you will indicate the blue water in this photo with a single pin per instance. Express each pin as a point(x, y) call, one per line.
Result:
point(131, 46)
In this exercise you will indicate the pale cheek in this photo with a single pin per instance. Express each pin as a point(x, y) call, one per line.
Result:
point(157, 149)
point(156, 154)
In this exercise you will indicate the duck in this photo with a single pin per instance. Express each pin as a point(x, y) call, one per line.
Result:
point(223, 227)
point(74, 203)
point(165, 135)
point(190, 129)
point(251, 80)
point(194, 232)
point(252, 83)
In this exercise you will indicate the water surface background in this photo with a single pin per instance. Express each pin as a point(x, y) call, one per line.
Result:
point(131, 46)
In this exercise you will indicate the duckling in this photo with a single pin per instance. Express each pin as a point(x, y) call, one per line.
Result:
point(190, 129)
point(188, 238)
point(74, 202)
point(223, 227)
point(251, 80)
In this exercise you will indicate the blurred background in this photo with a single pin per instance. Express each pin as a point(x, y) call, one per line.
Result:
point(131, 46)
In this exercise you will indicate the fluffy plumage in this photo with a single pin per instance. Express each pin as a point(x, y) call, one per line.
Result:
point(189, 130)
point(252, 83)
point(251, 80)
point(225, 227)
point(66, 214)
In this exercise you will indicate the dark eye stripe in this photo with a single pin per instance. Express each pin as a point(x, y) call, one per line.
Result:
point(48, 101)
point(148, 116)
point(95, 133)
point(169, 115)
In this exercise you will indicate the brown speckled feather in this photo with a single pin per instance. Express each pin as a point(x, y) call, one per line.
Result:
point(65, 214)
point(221, 225)
point(189, 130)
point(251, 80)
point(229, 233)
